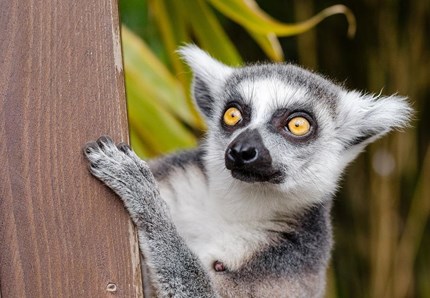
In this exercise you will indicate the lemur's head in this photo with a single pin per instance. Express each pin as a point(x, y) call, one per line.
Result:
point(281, 127)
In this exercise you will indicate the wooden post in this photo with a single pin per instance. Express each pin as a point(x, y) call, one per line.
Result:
point(62, 233)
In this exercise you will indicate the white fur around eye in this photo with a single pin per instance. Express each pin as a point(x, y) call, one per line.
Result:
point(267, 95)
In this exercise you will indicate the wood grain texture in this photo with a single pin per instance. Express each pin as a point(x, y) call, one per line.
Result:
point(62, 233)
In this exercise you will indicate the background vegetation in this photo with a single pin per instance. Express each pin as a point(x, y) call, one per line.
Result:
point(381, 213)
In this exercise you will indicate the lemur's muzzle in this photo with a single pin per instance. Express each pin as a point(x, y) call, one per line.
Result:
point(249, 160)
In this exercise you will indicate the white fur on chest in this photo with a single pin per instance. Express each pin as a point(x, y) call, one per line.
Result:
point(208, 223)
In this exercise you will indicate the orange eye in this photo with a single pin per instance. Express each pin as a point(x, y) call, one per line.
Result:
point(299, 126)
point(232, 116)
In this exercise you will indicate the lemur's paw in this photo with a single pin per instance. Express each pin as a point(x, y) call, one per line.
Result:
point(142, 165)
point(117, 166)
point(127, 175)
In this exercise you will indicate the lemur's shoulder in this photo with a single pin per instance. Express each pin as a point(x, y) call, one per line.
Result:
point(308, 239)
point(163, 166)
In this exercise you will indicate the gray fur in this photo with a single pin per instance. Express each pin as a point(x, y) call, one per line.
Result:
point(212, 222)
point(163, 167)
point(203, 97)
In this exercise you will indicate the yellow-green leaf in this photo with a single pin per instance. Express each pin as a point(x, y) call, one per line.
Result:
point(248, 14)
point(269, 43)
point(209, 32)
point(152, 77)
point(146, 116)
point(172, 28)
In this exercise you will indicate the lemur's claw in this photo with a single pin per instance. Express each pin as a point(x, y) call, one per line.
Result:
point(124, 147)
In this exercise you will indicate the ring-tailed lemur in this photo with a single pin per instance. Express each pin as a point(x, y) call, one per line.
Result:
point(247, 214)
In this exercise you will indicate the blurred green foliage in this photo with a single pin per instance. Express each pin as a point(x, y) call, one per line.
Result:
point(381, 213)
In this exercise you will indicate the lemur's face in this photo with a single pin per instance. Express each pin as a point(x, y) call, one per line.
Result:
point(276, 125)
point(273, 128)
point(280, 126)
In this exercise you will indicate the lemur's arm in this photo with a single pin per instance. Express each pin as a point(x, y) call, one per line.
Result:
point(177, 271)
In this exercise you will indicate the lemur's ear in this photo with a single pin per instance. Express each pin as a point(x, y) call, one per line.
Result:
point(209, 76)
point(364, 118)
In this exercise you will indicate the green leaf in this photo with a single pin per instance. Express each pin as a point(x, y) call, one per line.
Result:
point(269, 43)
point(248, 14)
point(172, 27)
point(209, 32)
point(147, 116)
point(146, 72)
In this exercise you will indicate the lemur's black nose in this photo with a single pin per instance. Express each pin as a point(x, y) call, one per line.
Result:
point(247, 152)
point(242, 153)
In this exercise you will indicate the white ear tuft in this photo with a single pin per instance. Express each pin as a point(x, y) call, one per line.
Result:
point(365, 118)
point(202, 64)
